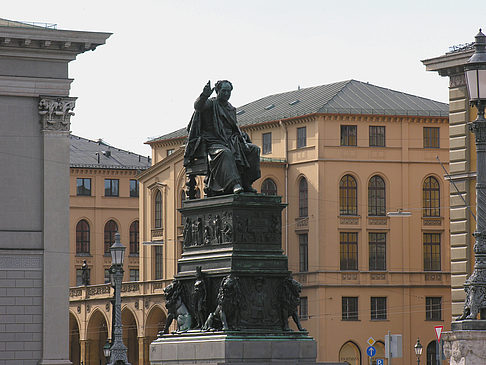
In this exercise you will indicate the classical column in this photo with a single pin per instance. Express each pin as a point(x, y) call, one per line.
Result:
point(55, 113)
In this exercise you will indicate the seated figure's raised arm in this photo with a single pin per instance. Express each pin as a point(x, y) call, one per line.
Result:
point(201, 102)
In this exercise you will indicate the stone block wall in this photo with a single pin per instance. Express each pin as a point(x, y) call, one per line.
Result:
point(20, 308)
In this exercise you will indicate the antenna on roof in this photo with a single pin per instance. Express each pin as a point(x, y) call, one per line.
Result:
point(298, 87)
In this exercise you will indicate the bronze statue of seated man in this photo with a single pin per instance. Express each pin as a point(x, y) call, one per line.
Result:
point(233, 161)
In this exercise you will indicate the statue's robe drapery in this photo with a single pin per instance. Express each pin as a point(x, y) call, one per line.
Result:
point(233, 159)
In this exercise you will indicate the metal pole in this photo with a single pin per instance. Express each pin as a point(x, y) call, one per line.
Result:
point(118, 350)
point(476, 282)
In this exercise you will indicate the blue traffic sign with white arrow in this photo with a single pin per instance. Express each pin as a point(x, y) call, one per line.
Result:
point(371, 351)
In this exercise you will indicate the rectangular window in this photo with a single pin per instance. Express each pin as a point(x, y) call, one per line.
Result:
point(111, 187)
point(378, 308)
point(134, 274)
point(134, 188)
point(83, 186)
point(266, 143)
point(348, 250)
point(431, 251)
point(349, 308)
point(107, 276)
point(377, 246)
point(433, 308)
point(304, 308)
point(349, 135)
point(170, 151)
point(303, 253)
point(431, 137)
point(79, 276)
point(301, 137)
point(377, 136)
point(159, 256)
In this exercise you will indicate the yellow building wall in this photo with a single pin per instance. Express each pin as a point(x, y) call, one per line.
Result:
point(403, 163)
point(97, 210)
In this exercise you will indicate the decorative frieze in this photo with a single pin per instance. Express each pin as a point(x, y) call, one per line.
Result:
point(56, 113)
point(378, 276)
point(129, 287)
point(433, 277)
point(350, 276)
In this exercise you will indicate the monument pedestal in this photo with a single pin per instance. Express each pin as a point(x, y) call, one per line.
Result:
point(220, 348)
point(466, 343)
point(233, 290)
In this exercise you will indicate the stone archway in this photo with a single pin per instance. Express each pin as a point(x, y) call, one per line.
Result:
point(350, 354)
point(74, 343)
point(130, 338)
point(154, 323)
point(96, 336)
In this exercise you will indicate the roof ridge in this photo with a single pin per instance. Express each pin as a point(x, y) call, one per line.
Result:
point(397, 91)
point(291, 91)
point(345, 85)
point(107, 145)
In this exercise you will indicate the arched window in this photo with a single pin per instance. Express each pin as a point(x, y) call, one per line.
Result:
point(269, 187)
point(376, 196)
point(432, 353)
point(134, 238)
point(158, 210)
point(348, 196)
point(303, 198)
point(110, 229)
point(431, 197)
point(82, 237)
point(350, 353)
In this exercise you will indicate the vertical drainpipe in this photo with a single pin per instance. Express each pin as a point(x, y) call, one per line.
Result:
point(286, 188)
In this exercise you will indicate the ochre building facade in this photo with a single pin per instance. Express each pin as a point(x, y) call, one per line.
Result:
point(343, 157)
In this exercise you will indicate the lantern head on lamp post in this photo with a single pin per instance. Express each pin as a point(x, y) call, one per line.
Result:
point(118, 353)
point(418, 350)
point(475, 285)
point(107, 350)
point(117, 251)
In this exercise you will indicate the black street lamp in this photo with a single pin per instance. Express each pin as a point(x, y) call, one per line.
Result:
point(475, 285)
point(418, 350)
point(107, 350)
point(118, 349)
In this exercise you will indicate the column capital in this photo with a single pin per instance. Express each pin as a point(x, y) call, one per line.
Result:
point(55, 112)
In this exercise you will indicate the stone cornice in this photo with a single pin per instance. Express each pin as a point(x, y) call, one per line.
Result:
point(48, 43)
point(448, 64)
point(385, 118)
point(33, 86)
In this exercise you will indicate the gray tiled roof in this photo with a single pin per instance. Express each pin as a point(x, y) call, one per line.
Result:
point(345, 97)
point(84, 153)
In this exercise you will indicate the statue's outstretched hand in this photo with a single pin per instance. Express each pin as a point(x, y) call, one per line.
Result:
point(208, 90)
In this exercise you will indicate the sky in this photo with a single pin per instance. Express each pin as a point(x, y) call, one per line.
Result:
point(143, 82)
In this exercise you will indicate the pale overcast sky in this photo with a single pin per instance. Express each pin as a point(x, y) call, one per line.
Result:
point(142, 83)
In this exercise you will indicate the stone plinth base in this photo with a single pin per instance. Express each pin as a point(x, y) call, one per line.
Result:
point(222, 348)
point(465, 347)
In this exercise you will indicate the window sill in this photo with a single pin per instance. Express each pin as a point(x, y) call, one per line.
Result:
point(350, 320)
point(380, 320)
point(84, 255)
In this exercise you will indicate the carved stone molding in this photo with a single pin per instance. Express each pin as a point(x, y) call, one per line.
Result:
point(433, 277)
point(457, 80)
point(56, 113)
point(378, 276)
point(20, 262)
point(349, 276)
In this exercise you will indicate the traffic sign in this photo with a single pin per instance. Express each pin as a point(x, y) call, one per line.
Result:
point(438, 332)
point(380, 361)
point(371, 351)
point(371, 341)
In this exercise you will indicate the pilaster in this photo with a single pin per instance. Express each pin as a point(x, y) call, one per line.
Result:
point(55, 113)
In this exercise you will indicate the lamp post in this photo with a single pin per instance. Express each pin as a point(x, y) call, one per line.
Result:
point(475, 285)
point(118, 349)
point(107, 350)
point(418, 350)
